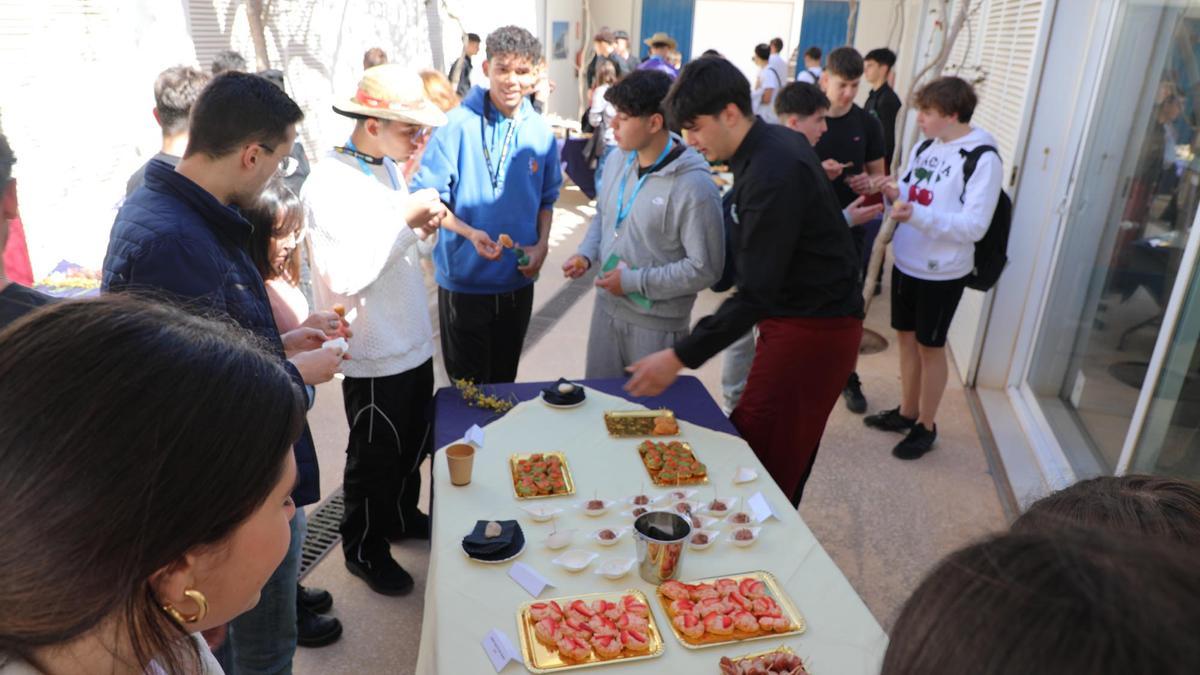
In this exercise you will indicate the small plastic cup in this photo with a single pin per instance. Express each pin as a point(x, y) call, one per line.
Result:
point(461, 458)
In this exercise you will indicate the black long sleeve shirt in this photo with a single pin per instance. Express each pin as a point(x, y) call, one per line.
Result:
point(795, 257)
point(885, 104)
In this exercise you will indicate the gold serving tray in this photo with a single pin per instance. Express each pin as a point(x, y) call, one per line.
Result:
point(799, 625)
point(781, 649)
point(541, 659)
point(512, 467)
point(694, 480)
point(635, 423)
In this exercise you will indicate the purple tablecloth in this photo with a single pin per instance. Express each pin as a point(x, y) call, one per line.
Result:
point(687, 397)
point(576, 167)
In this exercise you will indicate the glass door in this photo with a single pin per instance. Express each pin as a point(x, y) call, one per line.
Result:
point(1123, 249)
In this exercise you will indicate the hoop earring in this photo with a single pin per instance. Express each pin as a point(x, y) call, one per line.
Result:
point(201, 612)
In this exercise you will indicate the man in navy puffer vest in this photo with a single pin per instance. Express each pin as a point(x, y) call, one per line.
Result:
point(181, 236)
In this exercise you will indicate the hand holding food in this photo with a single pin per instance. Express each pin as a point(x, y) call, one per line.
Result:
point(484, 246)
point(318, 366)
point(575, 266)
point(902, 211)
point(887, 185)
point(834, 168)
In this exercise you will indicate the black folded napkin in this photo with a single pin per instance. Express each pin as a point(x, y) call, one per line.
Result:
point(511, 540)
point(553, 396)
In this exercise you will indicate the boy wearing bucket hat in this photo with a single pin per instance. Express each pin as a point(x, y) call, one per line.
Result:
point(661, 46)
point(365, 231)
point(495, 165)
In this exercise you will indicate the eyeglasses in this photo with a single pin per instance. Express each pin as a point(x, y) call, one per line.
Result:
point(416, 134)
point(266, 147)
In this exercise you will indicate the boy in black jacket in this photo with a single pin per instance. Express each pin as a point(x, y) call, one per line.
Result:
point(797, 277)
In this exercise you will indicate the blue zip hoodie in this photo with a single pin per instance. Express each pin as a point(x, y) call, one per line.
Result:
point(454, 165)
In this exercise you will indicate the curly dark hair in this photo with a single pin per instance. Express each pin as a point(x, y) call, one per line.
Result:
point(705, 87)
point(640, 93)
point(514, 41)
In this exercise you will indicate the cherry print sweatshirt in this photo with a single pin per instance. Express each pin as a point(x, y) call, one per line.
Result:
point(938, 242)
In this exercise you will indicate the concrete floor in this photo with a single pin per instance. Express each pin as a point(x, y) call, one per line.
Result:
point(885, 522)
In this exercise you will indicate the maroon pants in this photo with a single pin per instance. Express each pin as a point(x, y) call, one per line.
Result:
point(800, 367)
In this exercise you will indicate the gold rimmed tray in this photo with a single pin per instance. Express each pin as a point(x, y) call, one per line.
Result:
point(542, 659)
point(798, 624)
point(515, 460)
point(636, 423)
point(656, 476)
point(781, 649)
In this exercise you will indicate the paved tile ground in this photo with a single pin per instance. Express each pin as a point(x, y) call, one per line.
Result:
point(885, 522)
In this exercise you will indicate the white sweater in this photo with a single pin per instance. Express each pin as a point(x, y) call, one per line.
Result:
point(366, 257)
point(938, 242)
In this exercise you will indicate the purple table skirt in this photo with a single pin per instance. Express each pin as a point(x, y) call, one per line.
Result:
point(687, 397)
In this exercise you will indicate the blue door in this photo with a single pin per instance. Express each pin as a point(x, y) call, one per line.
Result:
point(673, 17)
point(824, 25)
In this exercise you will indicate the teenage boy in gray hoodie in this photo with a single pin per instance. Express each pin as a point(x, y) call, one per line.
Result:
point(657, 236)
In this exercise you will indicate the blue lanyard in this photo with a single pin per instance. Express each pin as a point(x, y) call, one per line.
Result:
point(623, 209)
point(387, 163)
point(494, 172)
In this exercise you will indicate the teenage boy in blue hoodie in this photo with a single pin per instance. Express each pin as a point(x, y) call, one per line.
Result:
point(495, 164)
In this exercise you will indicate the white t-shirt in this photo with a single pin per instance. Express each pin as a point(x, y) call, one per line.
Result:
point(809, 75)
point(777, 64)
point(767, 79)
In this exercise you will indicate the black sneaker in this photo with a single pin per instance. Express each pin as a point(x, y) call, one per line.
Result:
point(384, 575)
point(414, 525)
point(315, 600)
point(890, 420)
point(918, 442)
point(314, 630)
point(855, 401)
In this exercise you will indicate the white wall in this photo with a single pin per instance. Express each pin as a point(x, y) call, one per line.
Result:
point(734, 27)
point(564, 101)
point(76, 91)
point(482, 17)
point(617, 15)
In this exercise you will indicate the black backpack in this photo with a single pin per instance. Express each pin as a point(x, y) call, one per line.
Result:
point(991, 252)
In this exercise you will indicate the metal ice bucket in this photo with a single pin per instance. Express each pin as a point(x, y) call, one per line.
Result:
point(661, 538)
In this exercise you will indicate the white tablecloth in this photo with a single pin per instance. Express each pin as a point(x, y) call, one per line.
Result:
point(466, 599)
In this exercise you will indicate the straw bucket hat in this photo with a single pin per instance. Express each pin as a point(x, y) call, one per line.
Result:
point(392, 92)
point(660, 38)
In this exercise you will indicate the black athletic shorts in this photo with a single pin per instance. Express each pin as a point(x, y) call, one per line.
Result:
point(924, 307)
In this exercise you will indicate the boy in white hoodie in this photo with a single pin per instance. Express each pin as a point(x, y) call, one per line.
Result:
point(942, 207)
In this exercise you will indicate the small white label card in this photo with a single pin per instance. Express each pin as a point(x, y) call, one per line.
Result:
point(500, 649)
point(529, 579)
point(761, 509)
point(474, 436)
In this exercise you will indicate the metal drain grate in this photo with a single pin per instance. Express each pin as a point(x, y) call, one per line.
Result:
point(323, 532)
